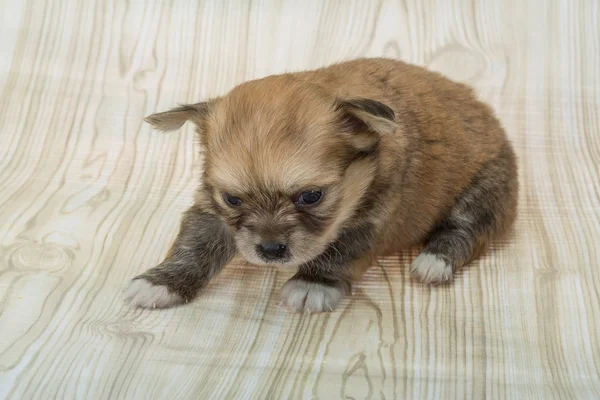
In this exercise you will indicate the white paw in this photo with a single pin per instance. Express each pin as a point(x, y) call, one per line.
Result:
point(429, 268)
point(311, 297)
point(141, 293)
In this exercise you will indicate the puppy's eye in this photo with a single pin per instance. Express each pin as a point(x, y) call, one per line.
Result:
point(309, 198)
point(232, 200)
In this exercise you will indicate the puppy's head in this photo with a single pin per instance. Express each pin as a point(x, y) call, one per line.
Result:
point(286, 163)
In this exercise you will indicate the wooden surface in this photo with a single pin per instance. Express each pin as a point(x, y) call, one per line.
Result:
point(90, 197)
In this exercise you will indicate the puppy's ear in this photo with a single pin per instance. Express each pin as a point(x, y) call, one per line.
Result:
point(366, 120)
point(175, 118)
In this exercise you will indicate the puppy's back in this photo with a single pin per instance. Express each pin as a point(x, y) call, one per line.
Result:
point(446, 133)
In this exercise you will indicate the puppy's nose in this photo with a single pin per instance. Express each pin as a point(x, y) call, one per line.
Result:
point(272, 251)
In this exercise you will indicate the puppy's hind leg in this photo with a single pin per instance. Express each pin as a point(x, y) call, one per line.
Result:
point(485, 210)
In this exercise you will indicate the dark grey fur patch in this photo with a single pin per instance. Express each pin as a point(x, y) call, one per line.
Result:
point(370, 106)
point(201, 109)
point(202, 248)
point(478, 211)
point(334, 266)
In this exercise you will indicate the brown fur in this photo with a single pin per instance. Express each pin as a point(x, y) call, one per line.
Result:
point(403, 155)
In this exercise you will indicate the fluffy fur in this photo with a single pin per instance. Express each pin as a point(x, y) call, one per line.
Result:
point(401, 155)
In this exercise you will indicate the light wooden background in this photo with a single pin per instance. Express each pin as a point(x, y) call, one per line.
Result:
point(90, 197)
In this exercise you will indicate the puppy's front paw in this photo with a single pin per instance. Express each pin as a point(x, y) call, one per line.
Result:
point(142, 293)
point(432, 269)
point(299, 295)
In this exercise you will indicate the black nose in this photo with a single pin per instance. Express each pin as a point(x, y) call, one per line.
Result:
point(272, 251)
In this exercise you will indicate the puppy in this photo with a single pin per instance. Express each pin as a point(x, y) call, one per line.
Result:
point(325, 170)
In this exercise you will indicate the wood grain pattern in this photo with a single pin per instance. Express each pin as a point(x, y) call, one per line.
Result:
point(90, 197)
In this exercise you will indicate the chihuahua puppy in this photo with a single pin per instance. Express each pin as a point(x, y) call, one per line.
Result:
point(325, 170)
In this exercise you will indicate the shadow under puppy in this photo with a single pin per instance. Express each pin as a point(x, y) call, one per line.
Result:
point(325, 170)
